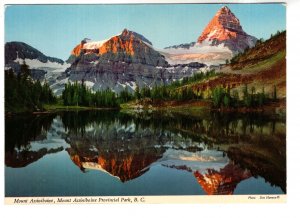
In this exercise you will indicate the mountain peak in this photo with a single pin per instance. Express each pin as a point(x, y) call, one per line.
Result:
point(125, 31)
point(125, 38)
point(225, 28)
point(224, 25)
point(21, 50)
point(128, 33)
point(127, 46)
point(225, 9)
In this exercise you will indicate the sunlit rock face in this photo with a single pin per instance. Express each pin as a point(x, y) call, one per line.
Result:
point(222, 182)
point(225, 28)
point(221, 39)
point(126, 60)
point(128, 47)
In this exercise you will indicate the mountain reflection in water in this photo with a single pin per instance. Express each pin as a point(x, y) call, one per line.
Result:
point(219, 151)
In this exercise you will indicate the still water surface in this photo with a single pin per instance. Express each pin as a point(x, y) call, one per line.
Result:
point(107, 153)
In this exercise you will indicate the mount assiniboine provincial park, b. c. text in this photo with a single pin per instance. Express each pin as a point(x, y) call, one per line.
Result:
point(186, 100)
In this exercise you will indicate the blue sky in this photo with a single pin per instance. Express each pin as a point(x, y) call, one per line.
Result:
point(56, 29)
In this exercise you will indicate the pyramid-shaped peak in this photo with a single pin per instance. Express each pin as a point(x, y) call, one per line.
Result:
point(225, 28)
point(125, 31)
point(223, 25)
point(227, 19)
point(226, 13)
point(225, 9)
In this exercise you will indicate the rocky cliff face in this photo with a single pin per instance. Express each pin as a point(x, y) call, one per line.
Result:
point(129, 47)
point(125, 60)
point(225, 28)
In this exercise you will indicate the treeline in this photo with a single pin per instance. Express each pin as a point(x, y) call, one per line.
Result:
point(79, 95)
point(178, 90)
point(222, 97)
point(277, 34)
point(165, 93)
point(23, 94)
point(162, 92)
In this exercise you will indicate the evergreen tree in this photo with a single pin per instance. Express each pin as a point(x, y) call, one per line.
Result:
point(226, 100)
point(25, 71)
point(217, 96)
point(24, 94)
point(137, 93)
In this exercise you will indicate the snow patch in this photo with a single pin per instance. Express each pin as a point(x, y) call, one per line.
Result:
point(37, 64)
point(131, 84)
point(89, 84)
point(94, 45)
point(196, 161)
point(123, 85)
point(203, 48)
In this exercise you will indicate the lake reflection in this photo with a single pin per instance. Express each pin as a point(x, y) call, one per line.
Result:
point(90, 153)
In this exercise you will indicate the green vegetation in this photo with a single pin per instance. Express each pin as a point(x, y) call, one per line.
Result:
point(177, 90)
point(23, 94)
point(79, 95)
point(125, 96)
point(225, 98)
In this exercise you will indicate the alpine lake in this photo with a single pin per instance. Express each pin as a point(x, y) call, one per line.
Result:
point(115, 153)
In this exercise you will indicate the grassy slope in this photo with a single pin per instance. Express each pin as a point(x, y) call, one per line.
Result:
point(260, 67)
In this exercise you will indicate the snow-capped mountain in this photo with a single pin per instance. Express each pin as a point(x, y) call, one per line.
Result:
point(125, 60)
point(42, 66)
point(222, 38)
point(129, 47)
point(225, 28)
